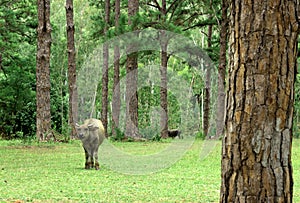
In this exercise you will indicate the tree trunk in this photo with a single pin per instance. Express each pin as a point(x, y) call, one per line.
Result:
point(164, 88)
point(105, 71)
point(132, 80)
point(163, 74)
point(222, 72)
point(116, 100)
point(206, 112)
point(73, 111)
point(43, 85)
point(256, 151)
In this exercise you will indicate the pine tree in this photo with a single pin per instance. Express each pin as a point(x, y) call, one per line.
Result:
point(116, 103)
point(256, 154)
point(43, 114)
point(132, 79)
point(105, 70)
point(71, 67)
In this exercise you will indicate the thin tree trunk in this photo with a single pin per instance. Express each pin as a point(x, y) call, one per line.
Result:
point(207, 89)
point(163, 74)
point(105, 71)
point(131, 97)
point(164, 89)
point(116, 100)
point(73, 110)
point(222, 72)
point(43, 85)
point(256, 150)
point(132, 81)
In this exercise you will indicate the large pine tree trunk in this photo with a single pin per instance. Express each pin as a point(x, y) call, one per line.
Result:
point(116, 100)
point(43, 85)
point(105, 71)
point(256, 154)
point(132, 80)
point(222, 71)
point(73, 109)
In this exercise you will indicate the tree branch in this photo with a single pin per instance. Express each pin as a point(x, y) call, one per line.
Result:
point(173, 4)
point(201, 24)
point(155, 6)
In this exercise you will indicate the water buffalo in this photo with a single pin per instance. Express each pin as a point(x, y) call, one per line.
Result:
point(91, 133)
point(174, 133)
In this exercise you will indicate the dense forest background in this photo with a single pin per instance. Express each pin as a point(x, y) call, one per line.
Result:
point(18, 46)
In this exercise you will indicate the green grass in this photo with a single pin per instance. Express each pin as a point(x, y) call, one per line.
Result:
point(50, 172)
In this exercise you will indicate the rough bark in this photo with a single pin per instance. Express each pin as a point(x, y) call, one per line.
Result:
point(220, 120)
point(116, 100)
point(256, 153)
point(164, 88)
point(73, 110)
point(105, 71)
point(132, 80)
point(163, 74)
point(43, 114)
point(206, 113)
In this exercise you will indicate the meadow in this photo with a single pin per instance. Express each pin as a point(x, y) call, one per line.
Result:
point(54, 172)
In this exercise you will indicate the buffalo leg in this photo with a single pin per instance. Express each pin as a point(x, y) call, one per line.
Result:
point(96, 159)
point(92, 160)
point(87, 164)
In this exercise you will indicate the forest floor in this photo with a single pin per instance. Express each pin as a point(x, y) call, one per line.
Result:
point(54, 172)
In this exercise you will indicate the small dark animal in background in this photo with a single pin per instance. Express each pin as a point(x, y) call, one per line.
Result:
point(174, 133)
point(91, 134)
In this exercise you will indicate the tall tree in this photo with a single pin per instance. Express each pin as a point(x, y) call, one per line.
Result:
point(207, 92)
point(163, 74)
point(132, 78)
point(43, 114)
point(116, 100)
point(256, 154)
point(105, 70)
point(172, 16)
point(164, 85)
point(222, 71)
point(71, 67)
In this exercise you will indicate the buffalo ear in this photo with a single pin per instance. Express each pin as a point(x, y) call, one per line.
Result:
point(92, 127)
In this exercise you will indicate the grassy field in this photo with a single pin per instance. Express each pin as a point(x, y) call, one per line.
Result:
point(54, 173)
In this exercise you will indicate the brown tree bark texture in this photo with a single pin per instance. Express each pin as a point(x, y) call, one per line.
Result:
point(116, 103)
point(73, 97)
point(164, 88)
point(256, 153)
point(131, 96)
point(207, 94)
point(43, 114)
point(164, 117)
point(222, 72)
point(105, 71)
point(132, 79)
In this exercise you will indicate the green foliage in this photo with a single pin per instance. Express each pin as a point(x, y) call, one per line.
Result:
point(296, 126)
point(156, 137)
point(18, 22)
point(17, 67)
point(200, 135)
point(119, 135)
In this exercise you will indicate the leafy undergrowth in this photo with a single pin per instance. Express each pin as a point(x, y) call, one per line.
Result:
point(51, 172)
